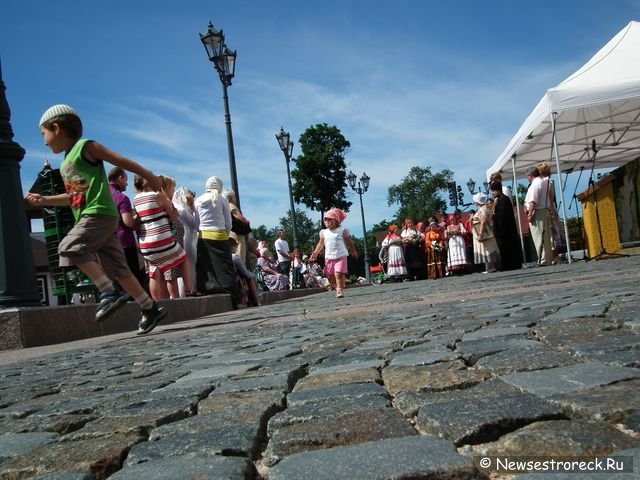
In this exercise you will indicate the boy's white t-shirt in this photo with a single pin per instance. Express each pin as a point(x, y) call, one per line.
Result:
point(334, 244)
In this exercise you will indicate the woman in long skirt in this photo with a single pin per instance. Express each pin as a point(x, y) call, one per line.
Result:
point(436, 251)
point(485, 247)
point(457, 247)
point(412, 242)
point(215, 270)
point(396, 267)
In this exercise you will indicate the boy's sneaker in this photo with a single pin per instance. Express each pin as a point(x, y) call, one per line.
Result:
point(110, 302)
point(150, 318)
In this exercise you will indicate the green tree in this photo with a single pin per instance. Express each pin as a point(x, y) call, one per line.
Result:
point(261, 232)
point(357, 266)
point(307, 231)
point(521, 192)
point(320, 172)
point(383, 225)
point(417, 194)
point(576, 235)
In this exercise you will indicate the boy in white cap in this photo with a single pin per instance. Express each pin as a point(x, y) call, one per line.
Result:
point(92, 244)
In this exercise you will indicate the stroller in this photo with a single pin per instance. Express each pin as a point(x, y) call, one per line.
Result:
point(379, 272)
point(296, 277)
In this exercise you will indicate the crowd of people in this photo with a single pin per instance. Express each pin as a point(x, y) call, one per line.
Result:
point(166, 243)
point(171, 243)
point(193, 246)
point(435, 250)
point(487, 241)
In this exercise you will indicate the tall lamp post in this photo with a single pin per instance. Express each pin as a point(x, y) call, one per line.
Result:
point(286, 145)
point(224, 61)
point(363, 186)
point(18, 285)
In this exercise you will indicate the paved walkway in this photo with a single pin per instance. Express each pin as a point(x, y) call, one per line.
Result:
point(422, 380)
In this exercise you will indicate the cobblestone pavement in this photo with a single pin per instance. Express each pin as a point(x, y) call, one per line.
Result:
point(419, 380)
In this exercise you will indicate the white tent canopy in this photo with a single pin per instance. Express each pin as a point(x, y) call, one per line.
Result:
point(600, 102)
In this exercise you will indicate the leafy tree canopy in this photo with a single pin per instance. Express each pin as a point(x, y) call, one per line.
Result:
point(262, 232)
point(417, 194)
point(307, 231)
point(521, 192)
point(382, 226)
point(320, 172)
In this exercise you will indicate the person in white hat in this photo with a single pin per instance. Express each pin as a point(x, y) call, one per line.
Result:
point(485, 247)
point(92, 244)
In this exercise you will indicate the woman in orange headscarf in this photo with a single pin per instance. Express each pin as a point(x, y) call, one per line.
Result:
point(436, 251)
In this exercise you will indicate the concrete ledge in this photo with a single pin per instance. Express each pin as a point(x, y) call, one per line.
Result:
point(25, 327)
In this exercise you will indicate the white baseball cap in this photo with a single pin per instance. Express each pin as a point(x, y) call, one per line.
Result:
point(56, 111)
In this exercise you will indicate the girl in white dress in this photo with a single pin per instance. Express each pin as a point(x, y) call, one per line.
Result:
point(336, 242)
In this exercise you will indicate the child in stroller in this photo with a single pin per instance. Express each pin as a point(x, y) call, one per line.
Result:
point(379, 272)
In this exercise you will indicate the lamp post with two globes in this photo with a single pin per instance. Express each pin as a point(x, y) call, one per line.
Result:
point(362, 187)
point(286, 145)
point(224, 61)
point(471, 185)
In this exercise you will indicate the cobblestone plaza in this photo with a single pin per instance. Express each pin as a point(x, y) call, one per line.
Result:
point(420, 380)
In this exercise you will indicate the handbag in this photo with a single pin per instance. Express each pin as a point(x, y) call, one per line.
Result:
point(239, 227)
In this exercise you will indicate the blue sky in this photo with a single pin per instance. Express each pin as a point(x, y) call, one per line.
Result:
point(439, 84)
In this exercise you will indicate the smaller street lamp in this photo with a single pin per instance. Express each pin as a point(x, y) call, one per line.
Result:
point(286, 145)
point(471, 185)
point(362, 187)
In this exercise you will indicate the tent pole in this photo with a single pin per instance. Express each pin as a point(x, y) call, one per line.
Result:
point(513, 168)
point(564, 203)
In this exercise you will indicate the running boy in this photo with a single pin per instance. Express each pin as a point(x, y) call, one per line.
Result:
point(92, 244)
point(335, 239)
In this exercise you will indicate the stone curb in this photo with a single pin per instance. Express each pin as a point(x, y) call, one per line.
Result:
point(25, 327)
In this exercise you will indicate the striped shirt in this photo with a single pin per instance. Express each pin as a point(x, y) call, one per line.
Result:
point(157, 243)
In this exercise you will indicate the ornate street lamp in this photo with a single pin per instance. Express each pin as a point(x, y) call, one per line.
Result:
point(286, 145)
point(362, 187)
point(18, 285)
point(485, 184)
point(471, 185)
point(224, 61)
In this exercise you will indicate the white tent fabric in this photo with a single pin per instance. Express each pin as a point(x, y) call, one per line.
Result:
point(600, 102)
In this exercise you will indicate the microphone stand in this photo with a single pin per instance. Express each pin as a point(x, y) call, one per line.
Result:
point(603, 251)
point(574, 198)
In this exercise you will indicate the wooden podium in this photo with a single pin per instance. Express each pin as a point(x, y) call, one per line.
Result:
point(600, 194)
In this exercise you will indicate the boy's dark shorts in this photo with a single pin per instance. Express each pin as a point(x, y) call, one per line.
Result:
point(94, 238)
